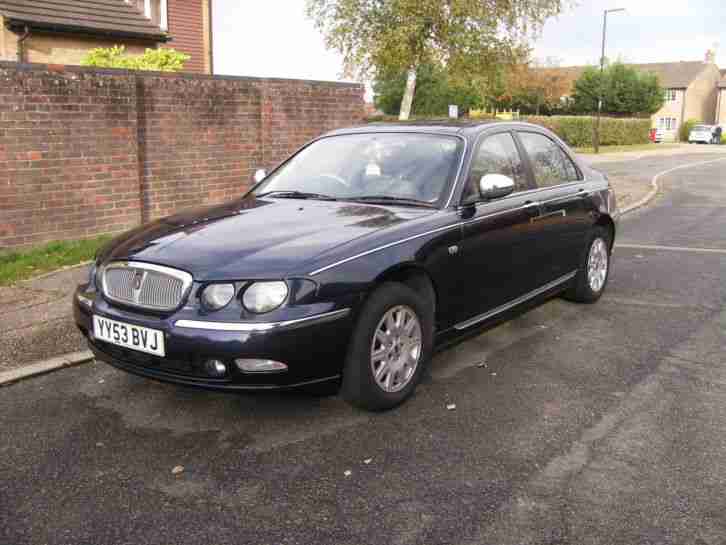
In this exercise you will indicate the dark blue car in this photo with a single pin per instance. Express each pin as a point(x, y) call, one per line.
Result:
point(350, 262)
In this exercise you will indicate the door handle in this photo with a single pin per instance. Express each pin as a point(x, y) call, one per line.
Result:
point(561, 212)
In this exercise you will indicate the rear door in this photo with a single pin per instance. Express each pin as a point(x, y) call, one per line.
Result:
point(564, 217)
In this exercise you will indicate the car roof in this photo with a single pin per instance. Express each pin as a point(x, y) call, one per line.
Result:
point(467, 128)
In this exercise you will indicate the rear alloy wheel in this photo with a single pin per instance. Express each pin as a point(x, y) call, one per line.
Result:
point(390, 347)
point(592, 276)
point(597, 265)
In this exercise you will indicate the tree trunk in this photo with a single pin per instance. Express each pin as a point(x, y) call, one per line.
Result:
point(407, 100)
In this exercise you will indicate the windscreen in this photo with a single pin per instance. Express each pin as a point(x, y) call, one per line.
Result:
point(414, 166)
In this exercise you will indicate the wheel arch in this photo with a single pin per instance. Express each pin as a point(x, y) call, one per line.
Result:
point(415, 277)
point(607, 222)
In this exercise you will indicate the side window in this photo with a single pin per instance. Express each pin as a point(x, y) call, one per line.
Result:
point(550, 164)
point(497, 154)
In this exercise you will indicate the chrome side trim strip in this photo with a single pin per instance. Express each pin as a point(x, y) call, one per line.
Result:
point(261, 326)
point(515, 302)
point(452, 226)
point(389, 245)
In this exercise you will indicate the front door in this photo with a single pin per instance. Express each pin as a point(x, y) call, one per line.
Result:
point(499, 238)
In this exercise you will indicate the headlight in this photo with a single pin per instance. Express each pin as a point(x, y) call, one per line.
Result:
point(264, 296)
point(217, 296)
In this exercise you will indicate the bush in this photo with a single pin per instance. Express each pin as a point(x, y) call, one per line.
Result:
point(723, 139)
point(160, 60)
point(686, 129)
point(577, 130)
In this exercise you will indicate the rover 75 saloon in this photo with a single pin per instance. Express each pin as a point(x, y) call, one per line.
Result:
point(351, 261)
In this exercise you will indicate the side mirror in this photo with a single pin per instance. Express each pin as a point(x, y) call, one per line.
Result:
point(260, 175)
point(495, 186)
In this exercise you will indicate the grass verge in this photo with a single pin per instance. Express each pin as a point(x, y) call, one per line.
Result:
point(620, 149)
point(15, 266)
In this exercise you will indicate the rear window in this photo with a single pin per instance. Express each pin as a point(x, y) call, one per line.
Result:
point(701, 128)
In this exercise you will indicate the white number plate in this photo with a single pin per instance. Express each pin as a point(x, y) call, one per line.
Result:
point(131, 336)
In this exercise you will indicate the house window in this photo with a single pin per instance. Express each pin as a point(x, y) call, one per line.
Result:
point(669, 95)
point(667, 123)
point(154, 10)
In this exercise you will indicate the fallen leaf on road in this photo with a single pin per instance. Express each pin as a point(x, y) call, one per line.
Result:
point(481, 364)
point(177, 470)
point(494, 374)
point(451, 407)
point(347, 472)
point(367, 460)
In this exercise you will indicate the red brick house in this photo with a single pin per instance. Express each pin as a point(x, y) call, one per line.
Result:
point(62, 31)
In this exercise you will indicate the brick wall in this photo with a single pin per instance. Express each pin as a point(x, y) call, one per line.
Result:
point(186, 26)
point(85, 152)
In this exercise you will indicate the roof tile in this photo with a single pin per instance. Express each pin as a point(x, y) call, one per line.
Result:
point(106, 17)
point(671, 75)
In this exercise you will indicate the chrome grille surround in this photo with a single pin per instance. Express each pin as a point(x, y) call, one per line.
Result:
point(145, 285)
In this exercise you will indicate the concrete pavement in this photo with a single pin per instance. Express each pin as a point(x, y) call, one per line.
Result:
point(36, 320)
point(599, 424)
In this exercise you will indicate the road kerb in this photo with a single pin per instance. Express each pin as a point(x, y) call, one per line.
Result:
point(655, 187)
point(44, 366)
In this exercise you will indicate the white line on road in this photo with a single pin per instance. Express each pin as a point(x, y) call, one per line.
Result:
point(640, 303)
point(671, 248)
point(654, 182)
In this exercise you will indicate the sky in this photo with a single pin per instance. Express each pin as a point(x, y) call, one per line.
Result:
point(273, 38)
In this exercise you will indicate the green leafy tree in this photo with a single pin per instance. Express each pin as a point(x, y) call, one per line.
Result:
point(625, 91)
point(471, 38)
point(434, 92)
point(161, 60)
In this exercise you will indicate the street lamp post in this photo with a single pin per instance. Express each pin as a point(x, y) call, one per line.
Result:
point(596, 140)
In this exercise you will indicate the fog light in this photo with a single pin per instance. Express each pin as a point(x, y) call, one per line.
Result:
point(260, 366)
point(215, 368)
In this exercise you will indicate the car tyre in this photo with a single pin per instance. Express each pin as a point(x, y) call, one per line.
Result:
point(391, 302)
point(594, 271)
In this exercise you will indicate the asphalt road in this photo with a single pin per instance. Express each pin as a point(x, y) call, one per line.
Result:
point(597, 424)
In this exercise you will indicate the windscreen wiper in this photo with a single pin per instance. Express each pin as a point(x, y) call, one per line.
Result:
point(297, 195)
point(388, 199)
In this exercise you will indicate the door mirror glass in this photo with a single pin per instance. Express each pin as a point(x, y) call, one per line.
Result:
point(495, 186)
point(260, 175)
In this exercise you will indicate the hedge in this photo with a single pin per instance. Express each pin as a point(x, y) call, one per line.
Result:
point(614, 131)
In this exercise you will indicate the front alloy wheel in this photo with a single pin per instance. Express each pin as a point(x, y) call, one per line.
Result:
point(396, 349)
point(389, 349)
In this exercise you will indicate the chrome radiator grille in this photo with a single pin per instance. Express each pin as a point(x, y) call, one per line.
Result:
point(146, 286)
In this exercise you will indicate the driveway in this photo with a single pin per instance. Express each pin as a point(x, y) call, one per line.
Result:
point(571, 424)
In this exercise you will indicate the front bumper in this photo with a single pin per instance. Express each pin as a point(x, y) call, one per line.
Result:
point(313, 347)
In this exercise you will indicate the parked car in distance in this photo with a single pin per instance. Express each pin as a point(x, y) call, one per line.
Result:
point(658, 135)
point(703, 134)
point(351, 261)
